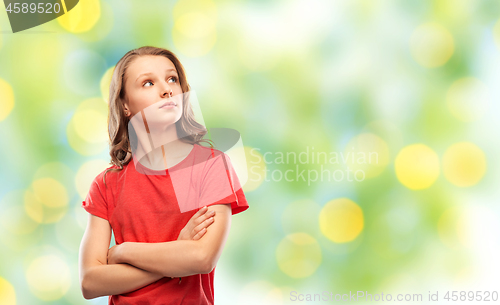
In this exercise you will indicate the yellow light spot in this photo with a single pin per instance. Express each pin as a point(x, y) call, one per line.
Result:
point(455, 12)
point(417, 166)
point(46, 201)
point(34, 208)
point(468, 99)
point(40, 212)
point(432, 45)
point(453, 228)
point(194, 34)
point(82, 17)
point(80, 145)
point(15, 218)
point(341, 220)
point(101, 29)
point(87, 130)
point(58, 171)
point(50, 192)
point(6, 99)
point(386, 130)
point(105, 82)
point(194, 31)
point(90, 124)
point(7, 292)
point(87, 173)
point(367, 153)
point(260, 292)
point(189, 6)
point(48, 277)
point(298, 255)
point(238, 160)
point(464, 164)
point(195, 25)
point(256, 169)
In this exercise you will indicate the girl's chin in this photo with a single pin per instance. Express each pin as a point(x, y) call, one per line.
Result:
point(161, 123)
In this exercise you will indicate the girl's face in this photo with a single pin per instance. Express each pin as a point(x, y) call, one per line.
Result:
point(149, 82)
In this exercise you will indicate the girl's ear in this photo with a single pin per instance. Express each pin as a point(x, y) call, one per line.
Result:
point(126, 108)
point(125, 104)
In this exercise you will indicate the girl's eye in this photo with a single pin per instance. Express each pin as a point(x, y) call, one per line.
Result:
point(148, 81)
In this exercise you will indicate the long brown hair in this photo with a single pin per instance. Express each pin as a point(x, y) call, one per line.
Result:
point(188, 129)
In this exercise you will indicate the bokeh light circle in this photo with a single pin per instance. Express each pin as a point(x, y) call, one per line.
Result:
point(7, 292)
point(106, 82)
point(417, 166)
point(6, 99)
point(82, 17)
point(341, 220)
point(18, 230)
point(90, 124)
point(368, 153)
point(256, 169)
point(48, 277)
point(46, 201)
point(431, 45)
point(260, 292)
point(194, 32)
point(13, 216)
point(468, 99)
point(87, 130)
point(50, 192)
point(453, 228)
point(464, 164)
point(87, 173)
point(298, 255)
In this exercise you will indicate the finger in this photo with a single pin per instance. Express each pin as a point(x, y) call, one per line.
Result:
point(204, 224)
point(200, 234)
point(207, 215)
point(204, 217)
point(200, 212)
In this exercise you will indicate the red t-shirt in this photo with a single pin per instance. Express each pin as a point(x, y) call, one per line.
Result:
point(141, 206)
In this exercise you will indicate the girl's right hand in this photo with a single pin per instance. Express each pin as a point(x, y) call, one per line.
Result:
point(197, 225)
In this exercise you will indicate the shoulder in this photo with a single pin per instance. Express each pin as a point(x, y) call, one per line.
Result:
point(212, 158)
point(110, 173)
point(208, 152)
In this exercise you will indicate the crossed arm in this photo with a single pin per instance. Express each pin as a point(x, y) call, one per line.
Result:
point(130, 266)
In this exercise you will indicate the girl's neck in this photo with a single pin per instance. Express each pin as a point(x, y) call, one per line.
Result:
point(154, 147)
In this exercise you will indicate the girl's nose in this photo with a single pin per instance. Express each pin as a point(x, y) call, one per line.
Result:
point(167, 92)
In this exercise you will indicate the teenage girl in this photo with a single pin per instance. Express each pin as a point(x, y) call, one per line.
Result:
point(166, 248)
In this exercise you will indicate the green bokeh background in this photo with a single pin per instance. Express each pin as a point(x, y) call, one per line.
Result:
point(289, 76)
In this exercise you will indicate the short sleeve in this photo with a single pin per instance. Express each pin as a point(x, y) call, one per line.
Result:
point(95, 203)
point(220, 185)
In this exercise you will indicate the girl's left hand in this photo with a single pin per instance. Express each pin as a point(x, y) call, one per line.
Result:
point(114, 254)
